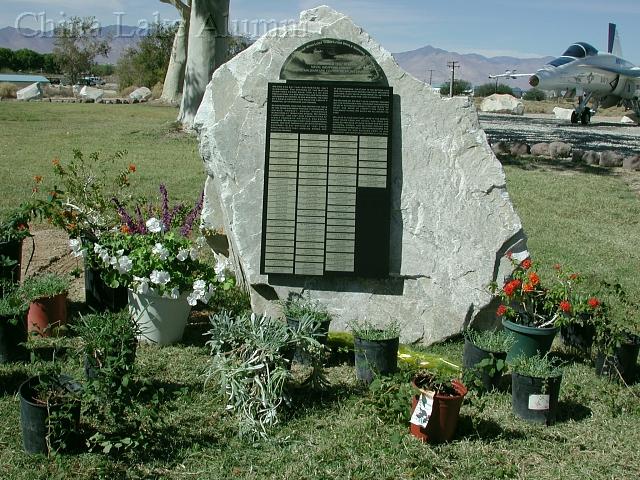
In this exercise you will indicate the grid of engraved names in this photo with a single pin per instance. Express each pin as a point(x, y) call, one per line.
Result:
point(281, 200)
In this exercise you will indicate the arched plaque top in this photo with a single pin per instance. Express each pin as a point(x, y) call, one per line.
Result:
point(333, 60)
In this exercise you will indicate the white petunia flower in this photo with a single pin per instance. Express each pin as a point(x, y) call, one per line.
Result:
point(175, 293)
point(183, 254)
point(193, 254)
point(76, 248)
point(154, 225)
point(124, 264)
point(161, 251)
point(201, 242)
point(160, 277)
point(143, 285)
point(192, 299)
point(97, 247)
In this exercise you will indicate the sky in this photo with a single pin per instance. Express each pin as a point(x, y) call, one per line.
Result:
point(492, 27)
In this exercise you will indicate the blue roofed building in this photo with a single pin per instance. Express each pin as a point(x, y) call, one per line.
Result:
point(23, 80)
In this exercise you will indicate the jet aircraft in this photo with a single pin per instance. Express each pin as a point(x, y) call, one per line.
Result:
point(605, 78)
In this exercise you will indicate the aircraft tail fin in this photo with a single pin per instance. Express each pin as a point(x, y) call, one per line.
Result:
point(614, 41)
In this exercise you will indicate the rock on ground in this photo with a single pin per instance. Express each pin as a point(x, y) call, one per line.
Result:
point(519, 148)
point(90, 93)
point(610, 158)
point(540, 149)
point(559, 150)
point(632, 162)
point(32, 92)
point(591, 158)
point(141, 94)
point(562, 113)
point(498, 103)
point(452, 219)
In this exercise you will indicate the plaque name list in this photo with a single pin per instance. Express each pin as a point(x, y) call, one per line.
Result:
point(327, 179)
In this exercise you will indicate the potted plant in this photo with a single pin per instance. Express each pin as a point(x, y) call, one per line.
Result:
point(617, 336)
point(484, 356)
point(47, 294)
point(13, 326)
point(158, 262)
point(109, 346)
point(250, 365)
point(79, 200)
point(532, 310)
point(49, 412)
point(13, 230)
point(535, 388)
point(297, 307)
point(435, 411)
point(375, 349)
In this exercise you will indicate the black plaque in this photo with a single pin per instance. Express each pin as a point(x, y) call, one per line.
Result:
point(327, 179)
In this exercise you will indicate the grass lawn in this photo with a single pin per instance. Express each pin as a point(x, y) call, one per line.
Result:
point(588, 219)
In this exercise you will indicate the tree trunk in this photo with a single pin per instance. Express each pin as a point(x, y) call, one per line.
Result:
point(206, 50)
point(174, 80)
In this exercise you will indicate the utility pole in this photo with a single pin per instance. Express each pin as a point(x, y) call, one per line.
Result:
point(452, 65)
point(430, 70)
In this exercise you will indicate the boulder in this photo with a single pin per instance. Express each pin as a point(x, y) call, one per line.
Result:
point(540, 149)
point(90, 94)
point(141, 94)
point(577, 156)
point(591, 158)
point(563, 113)
point(559, 150)
point(630, 119)
point(451, 217)
point(632, 162)
point(519, 148)
point(501, 148)
point(610, 158)
point(76, 89)
point(498, 103)
point(32, 92)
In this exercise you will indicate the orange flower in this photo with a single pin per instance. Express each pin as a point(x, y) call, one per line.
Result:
point(534, 278)
point(574, 276)
point(511, 287)
point(528, 287)
point(38, 178)
point(565, 306)
point(132, 168)
point(526, 264)
point(56, 162)
point(593, 302)
point(125, 229)
point(557, 266)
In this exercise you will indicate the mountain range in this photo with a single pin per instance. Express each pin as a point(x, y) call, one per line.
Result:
point(473, 67)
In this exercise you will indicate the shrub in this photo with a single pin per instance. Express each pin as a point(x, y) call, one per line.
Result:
point(156, 91)
point(8, 90)
point(488, 89)
point(125, 92)
point(535, 94)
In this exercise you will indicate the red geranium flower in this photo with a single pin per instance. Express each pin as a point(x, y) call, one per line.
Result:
point(557, 266)
point(511, 287)
point(534, 278)
point(528, 287)
point(593, 302)
point(565, 306)
point(501, 310)
point(573, 276)
point(526, 264)
point(132, 168)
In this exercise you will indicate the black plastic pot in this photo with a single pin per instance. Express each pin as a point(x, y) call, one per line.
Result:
point(375, 357)
point(323, 334)
point(622, 364)
point(13, 251)
point(99, 296)
point(472, 355)
point(12, 339)
point(535, 399)
point(578, 336)
point(34, 417)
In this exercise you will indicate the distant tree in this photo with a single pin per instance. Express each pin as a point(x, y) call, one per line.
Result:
point(77, 46)
point(26, 60)
point(146, 64)
point(535, 94)
point(49, 64)
point(459, 87)
point(103, 70)
point(6, 59)
point(487, 89)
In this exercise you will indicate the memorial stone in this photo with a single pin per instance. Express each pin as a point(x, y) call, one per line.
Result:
point(406, 215)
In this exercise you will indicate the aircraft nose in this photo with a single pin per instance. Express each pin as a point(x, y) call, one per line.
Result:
point(534, 81)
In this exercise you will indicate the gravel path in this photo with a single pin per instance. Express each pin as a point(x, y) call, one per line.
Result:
point(604, 133)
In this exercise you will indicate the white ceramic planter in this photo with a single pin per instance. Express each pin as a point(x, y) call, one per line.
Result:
point(161, 320)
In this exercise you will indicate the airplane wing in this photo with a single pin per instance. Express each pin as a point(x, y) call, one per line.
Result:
point(627, 72)
point(511, 75)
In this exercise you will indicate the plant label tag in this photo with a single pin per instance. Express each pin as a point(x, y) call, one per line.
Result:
point(538, 402)
point(423, 410)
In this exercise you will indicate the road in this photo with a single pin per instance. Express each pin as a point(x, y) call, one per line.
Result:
point(604, 133)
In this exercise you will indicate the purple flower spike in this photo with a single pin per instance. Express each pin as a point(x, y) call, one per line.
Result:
point(124, 215)
point(166, 215)
point(191, 217)
point(141, 227)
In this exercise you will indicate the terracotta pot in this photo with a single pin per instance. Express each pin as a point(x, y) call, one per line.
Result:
point(443, 422)
point(47, 314)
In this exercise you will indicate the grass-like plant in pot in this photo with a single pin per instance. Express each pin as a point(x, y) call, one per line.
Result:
point(436, 409)
point(155, 257)
point(617, 336)
point(298, 307)
point(375, 349)
point(13, 327)
point(484, 356)
point(47, 293)
point(533, 309)
point(251, 366)
point(14, 229)
point(535, 388)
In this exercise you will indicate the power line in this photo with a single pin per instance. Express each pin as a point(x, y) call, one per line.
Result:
point(430, 70)
point(452, 65)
